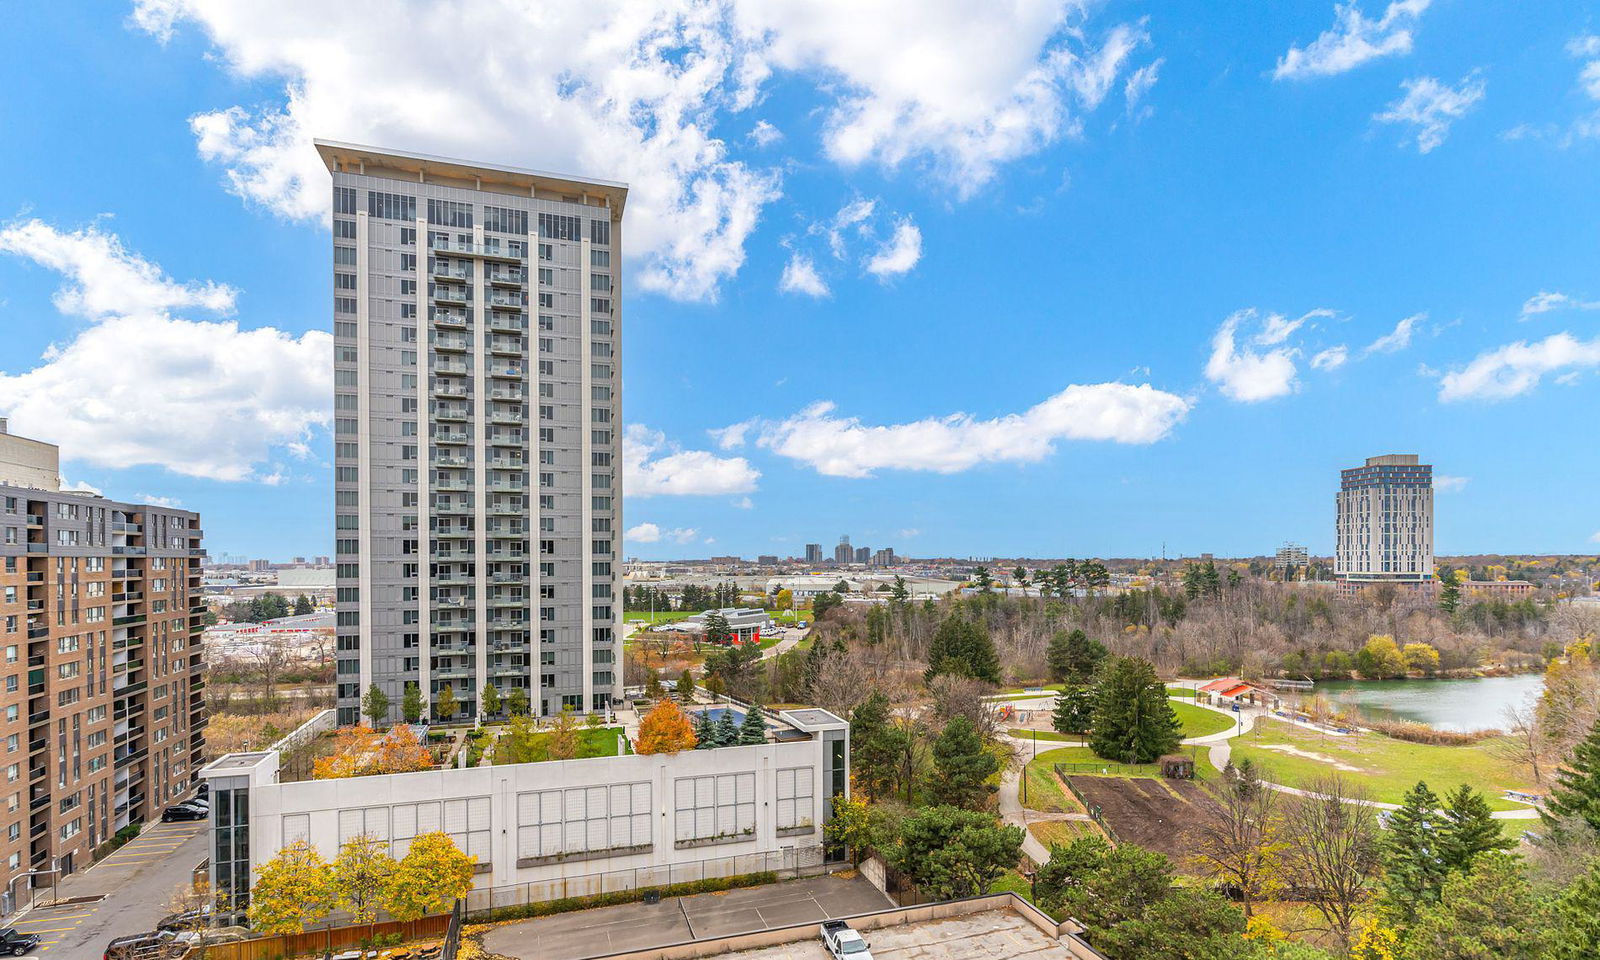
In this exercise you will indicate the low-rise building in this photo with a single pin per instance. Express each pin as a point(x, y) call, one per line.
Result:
point(530, 823)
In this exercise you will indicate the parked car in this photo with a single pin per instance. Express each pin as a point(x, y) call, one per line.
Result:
point(183, 811)
point(16, 944)
point(843, 942)
point(187, 920)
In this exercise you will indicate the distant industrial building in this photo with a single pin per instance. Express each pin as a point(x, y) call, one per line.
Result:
point(863, 554)
point(813, 553)
point(767, 560)
point(1384, 530)
point(884, 557)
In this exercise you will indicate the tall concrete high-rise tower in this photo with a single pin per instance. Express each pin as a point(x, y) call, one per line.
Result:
point(1385, 524)
point(478, 430)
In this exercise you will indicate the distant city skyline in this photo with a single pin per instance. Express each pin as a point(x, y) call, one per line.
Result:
point(1136, 277)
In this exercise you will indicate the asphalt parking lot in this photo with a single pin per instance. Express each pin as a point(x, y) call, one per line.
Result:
point(637, 926)
point(126, 892)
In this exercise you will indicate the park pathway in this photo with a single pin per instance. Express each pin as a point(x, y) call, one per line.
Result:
point(1219, 750)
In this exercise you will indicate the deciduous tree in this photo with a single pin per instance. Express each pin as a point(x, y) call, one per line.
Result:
point(411, 703)
point(665, 730)
point(491, 700)
point(361, 872)
point(1241, 846)
point(375, 705)
point(1331, 850)
point(429, 879)
point(562, 741)
point(447, 704)
point(293, 889)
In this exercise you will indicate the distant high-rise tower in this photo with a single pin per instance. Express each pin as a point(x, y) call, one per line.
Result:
point(843, 553)
point(1384, 532)
point(813, 553)
point(477, 430)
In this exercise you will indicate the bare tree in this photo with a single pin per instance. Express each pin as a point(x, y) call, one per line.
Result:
point(1331, 849)
point(270, 655)
point(957, 696)
point(1242, 845)
point(1523, 742)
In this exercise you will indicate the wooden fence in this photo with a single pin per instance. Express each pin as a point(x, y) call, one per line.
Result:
point(333, 939)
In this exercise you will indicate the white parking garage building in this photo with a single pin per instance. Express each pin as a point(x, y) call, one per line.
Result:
point(556, 828)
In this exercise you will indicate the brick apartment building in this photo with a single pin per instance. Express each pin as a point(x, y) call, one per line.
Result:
point(102, 713)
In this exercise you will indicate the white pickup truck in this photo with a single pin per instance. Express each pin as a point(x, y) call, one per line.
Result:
point(843, 942)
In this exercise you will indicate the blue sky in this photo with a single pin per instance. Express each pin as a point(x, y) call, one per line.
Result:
point(1059, 279)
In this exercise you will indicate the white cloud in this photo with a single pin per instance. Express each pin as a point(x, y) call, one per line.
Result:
point(651, 533)
point(961, 85)
point(204, 399)
point(729, 437)
point(764, 134)
point(800, 276)
point(1595, 538)
point(1517, 368)
point(103, 278)
point(1444, 483)
point(1331, 359)
point(149, 498)
point(1247, 374)
point(856, 213)
point(744, 503)
point(1140, 83)
point(1353, 40)
point(907, 533)
point(78, 486)
point(899, 254)
point(845, 447)
point(1545, 302)
point(637, 91)
point(627, 92)
point(651, 466)
point(1431, 107)
point(643, 533)
point(1397, 339)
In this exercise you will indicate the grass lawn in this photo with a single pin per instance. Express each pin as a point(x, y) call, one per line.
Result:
point(1186, 693)
point(660, 616)
point(1092, 765)
point(600, 742)
point(1385, 766)
point(1013, 881)
point(1053, 833)
point(1045, 793)
point(1199, 722)
point(1024, 733)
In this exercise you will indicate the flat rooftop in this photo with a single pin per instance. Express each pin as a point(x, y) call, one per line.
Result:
point(425, 168)
point(991, 935)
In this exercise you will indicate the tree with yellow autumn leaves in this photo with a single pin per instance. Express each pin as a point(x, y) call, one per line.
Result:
point(665, 729)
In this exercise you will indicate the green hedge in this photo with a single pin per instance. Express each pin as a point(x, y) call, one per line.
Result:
point(545, 908)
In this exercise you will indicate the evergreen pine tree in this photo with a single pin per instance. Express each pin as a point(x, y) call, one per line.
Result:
point(982, 660)
point(1449, 591)
point(875, 746)
point(1575, 932)
point(705, 734)
point(753, 729)
point(1414, 867)
point(1576, 793)
point(1133, 720)
point(1074, 709)
point(1073, 657)
point(1469, 829)
point(964, 763)
point(725, 732)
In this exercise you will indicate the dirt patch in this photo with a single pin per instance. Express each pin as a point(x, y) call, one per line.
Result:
point(1155, 814)
point(1311, 755)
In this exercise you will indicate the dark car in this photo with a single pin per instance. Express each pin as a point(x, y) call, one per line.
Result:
point(183, 812)
point(187, 920)
point(16, 944)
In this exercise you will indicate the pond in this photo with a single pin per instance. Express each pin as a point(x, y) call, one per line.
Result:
point(1470, 704)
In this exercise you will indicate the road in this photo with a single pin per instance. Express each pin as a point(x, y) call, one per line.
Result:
point(126, 892)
